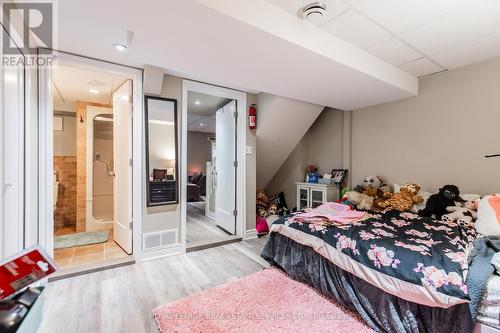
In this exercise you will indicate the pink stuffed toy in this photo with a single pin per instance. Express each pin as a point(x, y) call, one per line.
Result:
point(261, 226)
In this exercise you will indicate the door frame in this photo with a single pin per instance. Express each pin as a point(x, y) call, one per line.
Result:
point(241, 98)
point(45, 141)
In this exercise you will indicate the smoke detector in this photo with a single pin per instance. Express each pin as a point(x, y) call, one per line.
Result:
point(314, 12)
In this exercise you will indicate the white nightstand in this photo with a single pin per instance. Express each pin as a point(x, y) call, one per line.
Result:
point(311, 195)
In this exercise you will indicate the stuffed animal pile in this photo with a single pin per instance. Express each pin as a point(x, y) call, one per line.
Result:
point(367, 195)
point(266, 207)
point(262, 203)
point(403, 200)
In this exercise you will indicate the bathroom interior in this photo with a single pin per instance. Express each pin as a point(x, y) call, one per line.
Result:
point(84, 167)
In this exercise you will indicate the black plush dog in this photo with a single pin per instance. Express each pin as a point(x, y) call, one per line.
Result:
point(438, 202)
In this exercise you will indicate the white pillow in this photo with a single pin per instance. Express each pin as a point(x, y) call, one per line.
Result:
point(420, 206)
point(488, 216)
point(470, 197)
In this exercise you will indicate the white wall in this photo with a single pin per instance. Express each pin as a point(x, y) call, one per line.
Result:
point(321, 146)
point(438, 137)
point(281, 123)
point(65, 140)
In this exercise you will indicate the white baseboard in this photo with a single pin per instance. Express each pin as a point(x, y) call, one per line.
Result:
point(251, 234)
point(160, 253)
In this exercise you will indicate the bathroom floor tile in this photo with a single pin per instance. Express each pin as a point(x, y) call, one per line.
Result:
point(87, 259)
point(87, 254)
point(64, 253)
point(89, 249)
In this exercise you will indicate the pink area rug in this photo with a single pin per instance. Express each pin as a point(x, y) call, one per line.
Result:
point(267, 301)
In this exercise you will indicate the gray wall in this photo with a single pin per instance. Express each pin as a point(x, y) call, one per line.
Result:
point(199, 151)
point(438, 137)
point(65, 141)
point(321, 145)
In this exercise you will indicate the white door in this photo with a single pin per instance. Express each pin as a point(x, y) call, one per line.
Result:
point(122, 148)
point(225, 150)
point(12, 94)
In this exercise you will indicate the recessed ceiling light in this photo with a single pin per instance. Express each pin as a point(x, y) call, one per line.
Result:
point(197, 102)
point(201, 124)
point(93, 91)
point(120, 47)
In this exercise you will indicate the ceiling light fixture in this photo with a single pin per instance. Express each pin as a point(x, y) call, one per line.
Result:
point(201, 124)
point(93, 91)
point(314, 12)
point(120, 47)
point(197, 102)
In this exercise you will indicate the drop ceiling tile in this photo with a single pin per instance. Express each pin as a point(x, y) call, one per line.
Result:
point(333, 7)
point(352, 2)
point(357, 30)
point(421, 67)
point(466, 25)
point(400, 16)
point(469, 53)
point(394, 51)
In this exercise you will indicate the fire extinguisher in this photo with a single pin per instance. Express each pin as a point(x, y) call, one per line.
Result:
point(252, 117)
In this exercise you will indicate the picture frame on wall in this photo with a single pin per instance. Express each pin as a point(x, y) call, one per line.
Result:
point(338, 175)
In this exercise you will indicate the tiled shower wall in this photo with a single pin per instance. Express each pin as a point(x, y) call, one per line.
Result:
point(65, 212)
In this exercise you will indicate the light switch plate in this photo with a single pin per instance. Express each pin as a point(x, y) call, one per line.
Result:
point(249, 150)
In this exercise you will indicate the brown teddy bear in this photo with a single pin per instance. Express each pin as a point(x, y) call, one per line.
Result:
point(403, 200)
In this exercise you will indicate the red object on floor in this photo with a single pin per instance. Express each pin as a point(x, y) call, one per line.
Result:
point(24, 269)
point(266, 301)
point(261, 225)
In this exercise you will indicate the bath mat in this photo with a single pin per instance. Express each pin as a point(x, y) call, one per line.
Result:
point(80, 239)
point(266, 301)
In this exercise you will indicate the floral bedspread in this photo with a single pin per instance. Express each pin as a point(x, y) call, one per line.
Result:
point(415, 249)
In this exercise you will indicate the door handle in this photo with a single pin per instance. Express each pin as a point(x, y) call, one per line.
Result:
point(6, 188)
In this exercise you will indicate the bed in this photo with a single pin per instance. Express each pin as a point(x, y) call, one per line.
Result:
point(399, 271)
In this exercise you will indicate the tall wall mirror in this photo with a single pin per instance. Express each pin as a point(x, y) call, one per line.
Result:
point(161, 151)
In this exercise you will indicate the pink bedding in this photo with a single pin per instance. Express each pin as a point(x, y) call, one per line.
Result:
point(330, 212)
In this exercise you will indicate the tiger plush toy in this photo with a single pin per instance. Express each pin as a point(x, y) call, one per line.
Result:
point(404, 200)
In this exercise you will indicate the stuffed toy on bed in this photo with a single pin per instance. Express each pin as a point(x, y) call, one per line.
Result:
point(463, 215)
point(403, 200)
point(438, 202)
point(360, 200)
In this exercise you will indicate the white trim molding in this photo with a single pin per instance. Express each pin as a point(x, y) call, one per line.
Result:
point(241, 98)
point(250, 234)
point(160, 253)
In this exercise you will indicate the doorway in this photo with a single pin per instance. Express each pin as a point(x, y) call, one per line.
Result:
point(211, 209)
point(90, 161)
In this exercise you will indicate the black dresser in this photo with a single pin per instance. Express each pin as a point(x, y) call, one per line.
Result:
point(162, 191)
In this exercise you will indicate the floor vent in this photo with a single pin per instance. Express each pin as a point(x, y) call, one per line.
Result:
point(159, 239)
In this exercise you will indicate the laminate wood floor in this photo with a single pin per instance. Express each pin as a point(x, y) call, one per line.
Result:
point(201, 229)
point(121, 299)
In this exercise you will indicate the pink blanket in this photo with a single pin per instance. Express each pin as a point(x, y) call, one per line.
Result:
point(330, 212)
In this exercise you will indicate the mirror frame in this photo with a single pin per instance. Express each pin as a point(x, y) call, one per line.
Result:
point(146, 133)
